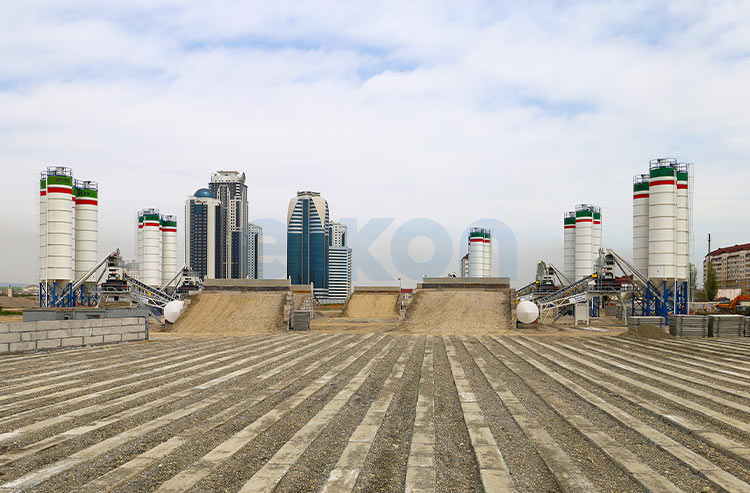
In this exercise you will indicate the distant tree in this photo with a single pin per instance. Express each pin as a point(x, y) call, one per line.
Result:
point(693, 278)
point(710, 284)
point(700, 295)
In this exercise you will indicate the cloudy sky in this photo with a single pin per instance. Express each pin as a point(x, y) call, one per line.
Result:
point(448, 111)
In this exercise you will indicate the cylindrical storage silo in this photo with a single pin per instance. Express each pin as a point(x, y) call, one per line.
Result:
point(476, 252)
point(151, 268)
point(662, 219)
point(59, 224)
point(168, 247)
point(596, 240)
point(681, 245)
point(487, 253)
point(584, 241)
point(640, 223)
point(569, 245)
point(139, 246)
point(43, 227)
point(87, 225)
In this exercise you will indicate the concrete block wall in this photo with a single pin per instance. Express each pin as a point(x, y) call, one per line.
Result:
point(52, 334)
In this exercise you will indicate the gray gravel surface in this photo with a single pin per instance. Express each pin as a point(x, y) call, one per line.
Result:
point(67, 421)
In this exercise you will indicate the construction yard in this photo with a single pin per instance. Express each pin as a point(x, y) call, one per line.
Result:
point(379, 412)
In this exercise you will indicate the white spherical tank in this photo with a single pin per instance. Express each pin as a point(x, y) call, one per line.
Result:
point(172, 310)
point(150, 270)
point(59, 224)
point(487, 254)
point(569, 245)
point(87, 225)
point(584, 241)
point(476, 252)
point(640, 223)
point(43, 227)
point(596, 237)
point(681, 247)
point(527, 312)
point(168, 247)
point(662, 219)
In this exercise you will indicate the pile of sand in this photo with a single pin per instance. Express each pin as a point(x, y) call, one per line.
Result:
point(458, 311)
point(372, 305)
point(646, 332)
point(233, 313)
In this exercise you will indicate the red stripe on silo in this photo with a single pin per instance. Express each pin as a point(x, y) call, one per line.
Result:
point(140, 226)
point(570, 227)
point(59, 190)
point(584, 220)
point(476, 240)
point(681, 186)
point(597, 222)
point(42, 193)
point(640, 196)
point(661, 182)
point(81, 201)
point(170, 230)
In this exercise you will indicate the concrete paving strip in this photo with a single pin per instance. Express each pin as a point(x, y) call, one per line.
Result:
point(493, 470)
point(726, 445)
point(344, 476)
point(616, 452)
point(45, 473)
point(94, 370)
point(569, 478)
point(203, 467)
point(739, 425)
point(719, 355)
point(672, 362)
point(269, 476)
point(130, 397)
point(31, 449)
point(421, 475)
point(234, 352)
point(671, 373)
point(146, 460)
point(699, 464)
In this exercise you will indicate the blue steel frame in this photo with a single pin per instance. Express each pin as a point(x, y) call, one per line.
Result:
point(675, 300)
point(63, 296)
point(595, 305)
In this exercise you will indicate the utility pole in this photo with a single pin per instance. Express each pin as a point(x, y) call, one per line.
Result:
point(709, 243)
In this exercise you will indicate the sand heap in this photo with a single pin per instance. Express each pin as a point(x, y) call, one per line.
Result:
point(233, 313)
point(458, 311)
point(372, 305)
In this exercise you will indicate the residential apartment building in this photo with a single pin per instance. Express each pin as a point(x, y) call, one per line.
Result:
point(254, 251)
point(339, 263)
point(732, 266)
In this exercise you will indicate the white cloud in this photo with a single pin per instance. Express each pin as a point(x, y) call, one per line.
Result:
point(452, 111)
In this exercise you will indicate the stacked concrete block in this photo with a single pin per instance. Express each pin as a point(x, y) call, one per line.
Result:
point(726, 325)
point(52, 334)
point(688, 325)
point(634, 322)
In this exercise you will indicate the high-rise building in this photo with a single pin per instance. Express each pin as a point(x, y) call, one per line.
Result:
point(339, 263)
point(255, 251)
point(307, 241)
point(230, 189)
point(203, 235)
point(732, 265)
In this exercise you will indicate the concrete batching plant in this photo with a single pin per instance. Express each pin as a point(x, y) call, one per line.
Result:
point(582, 241)
point(68, 224)
point(157, 247)
point(480, 253)
point(661, 236)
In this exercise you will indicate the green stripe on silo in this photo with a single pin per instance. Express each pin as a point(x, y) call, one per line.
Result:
point(682, 176)
point(597, 215)
point(169, 224)
point(85, 192)
point(584, 213)
point(570, 220)
point(152, 217)
point(476, 234)
point(43, 184)
point(60, 180)
point(657, 172)
point(640, 187)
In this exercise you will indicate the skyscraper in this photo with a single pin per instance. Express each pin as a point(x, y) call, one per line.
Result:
point(230, 189)
point(203, 246)
point(255, 251)
point(307, 241)
point(339, 263)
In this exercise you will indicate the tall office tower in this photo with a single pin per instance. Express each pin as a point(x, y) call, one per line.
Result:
point(339, 263)
point(230, 189)
point(203, 235)
point(255, 251)
point(307, 241)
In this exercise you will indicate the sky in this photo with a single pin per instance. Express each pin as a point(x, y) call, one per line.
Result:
point(449, 112)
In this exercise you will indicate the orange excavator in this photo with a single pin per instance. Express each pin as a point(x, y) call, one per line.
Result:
point(740, 306)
